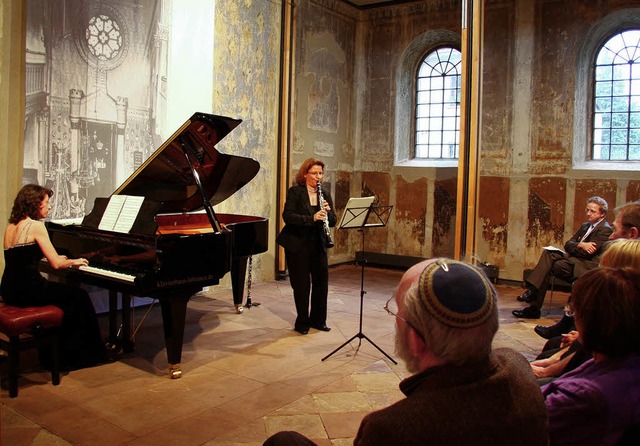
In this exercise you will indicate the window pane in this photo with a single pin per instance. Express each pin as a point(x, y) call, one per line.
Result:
point(602, 121)
point(621, 87)
point(603, 104)
point(618, 152)
point(619, 136)
point(437, 104)
point(604, 73)
point(620, 104)
point(619, 120)
point(604, 88)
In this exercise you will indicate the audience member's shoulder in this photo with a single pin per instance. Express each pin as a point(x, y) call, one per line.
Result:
point(509, 355)
point(510, 361)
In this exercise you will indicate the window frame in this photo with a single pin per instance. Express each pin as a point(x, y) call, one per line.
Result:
point(406, 77)
point(414, 154)
point(593, 42)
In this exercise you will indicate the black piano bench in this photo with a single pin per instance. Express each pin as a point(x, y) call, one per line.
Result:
point(24, 328)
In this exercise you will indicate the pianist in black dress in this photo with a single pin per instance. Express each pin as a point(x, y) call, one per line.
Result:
point(26, 242)
point(304, 239)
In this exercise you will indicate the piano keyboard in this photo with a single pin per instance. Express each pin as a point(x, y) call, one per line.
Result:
point(108, 273)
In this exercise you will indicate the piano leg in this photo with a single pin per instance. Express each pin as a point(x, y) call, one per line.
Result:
point(113, 317)
point(174, 311)
point(238, 273)
point(116, 338)
point(128, 345)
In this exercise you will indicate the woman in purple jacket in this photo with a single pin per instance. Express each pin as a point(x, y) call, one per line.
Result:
point(599, 402)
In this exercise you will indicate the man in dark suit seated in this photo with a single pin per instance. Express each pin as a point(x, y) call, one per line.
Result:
point(626, 225)
point(580, 255)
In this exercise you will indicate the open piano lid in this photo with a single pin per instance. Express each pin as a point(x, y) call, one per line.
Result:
point(166, 177)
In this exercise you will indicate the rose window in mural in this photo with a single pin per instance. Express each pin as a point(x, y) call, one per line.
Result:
point(103, 37)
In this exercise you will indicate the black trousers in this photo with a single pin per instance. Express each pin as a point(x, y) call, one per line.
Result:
point(309, 278)
point(550, 262)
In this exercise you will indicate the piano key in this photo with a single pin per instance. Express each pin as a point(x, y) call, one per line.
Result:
point(108, 273)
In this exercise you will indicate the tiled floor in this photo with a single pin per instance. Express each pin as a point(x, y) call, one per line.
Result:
point(245, 376)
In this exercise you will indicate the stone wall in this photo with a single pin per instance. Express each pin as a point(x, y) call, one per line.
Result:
point(530, 193)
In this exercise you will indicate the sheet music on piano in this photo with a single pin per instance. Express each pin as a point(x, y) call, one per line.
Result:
point(121, 213)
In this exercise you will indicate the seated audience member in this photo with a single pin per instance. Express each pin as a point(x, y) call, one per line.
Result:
point(565, 353)
point(579, 256)
point(626, 225)
point(598, 402)
point(461, 392)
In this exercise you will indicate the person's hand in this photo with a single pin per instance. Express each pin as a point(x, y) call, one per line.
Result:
point(569, 338)
point(590, 247)
point(77, 263)
point(320, 216)
point(539, 372)
point(325, 205)
point(541, 363)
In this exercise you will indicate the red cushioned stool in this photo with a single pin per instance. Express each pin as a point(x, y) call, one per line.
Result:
point(26, 328)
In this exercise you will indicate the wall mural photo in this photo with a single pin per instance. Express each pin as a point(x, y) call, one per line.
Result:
point(96, 95)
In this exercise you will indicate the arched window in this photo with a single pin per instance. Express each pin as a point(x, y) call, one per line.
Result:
point(438, 105)
point(616, 99)
point(413, 64)
point(606, 121)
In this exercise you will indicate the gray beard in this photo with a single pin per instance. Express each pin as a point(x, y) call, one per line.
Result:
point(403, 352)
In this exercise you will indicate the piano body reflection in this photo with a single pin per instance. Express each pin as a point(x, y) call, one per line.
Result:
point(171, 252)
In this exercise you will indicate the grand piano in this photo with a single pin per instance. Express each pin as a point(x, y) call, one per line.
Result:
point(171, 252)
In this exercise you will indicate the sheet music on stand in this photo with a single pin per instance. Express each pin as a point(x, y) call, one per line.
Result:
point(361, 213)
point(121, 213)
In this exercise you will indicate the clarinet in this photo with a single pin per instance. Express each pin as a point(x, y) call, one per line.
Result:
point(327, 233)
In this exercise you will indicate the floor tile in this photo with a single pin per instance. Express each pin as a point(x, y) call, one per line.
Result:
point(245, 375)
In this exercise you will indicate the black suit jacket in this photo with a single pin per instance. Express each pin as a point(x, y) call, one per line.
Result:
point(582, 260)
point(300, 229)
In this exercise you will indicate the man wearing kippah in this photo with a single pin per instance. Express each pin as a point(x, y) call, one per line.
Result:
point(461, 391)
point(579, 256)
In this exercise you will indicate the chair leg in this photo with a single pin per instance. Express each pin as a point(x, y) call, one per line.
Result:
point(14, 365)
point(55, 351)
point(551, 284)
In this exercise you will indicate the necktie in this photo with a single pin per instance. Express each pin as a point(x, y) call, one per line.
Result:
point(586, 234)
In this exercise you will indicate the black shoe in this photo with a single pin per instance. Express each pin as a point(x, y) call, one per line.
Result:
point(528, 296)
point(322, 327)
point(302, 330)
point(564, 325)
point(113, 351)
point(527, 313)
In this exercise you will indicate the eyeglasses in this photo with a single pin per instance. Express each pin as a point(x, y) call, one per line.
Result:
point(391, 307)
point(317, 174)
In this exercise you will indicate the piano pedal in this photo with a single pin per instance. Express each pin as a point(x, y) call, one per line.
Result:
point(174, 371)
point(239, 308)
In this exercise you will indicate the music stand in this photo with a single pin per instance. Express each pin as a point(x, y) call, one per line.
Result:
point(360, 213)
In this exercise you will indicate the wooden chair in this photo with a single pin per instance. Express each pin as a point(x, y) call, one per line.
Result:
point(25, 328)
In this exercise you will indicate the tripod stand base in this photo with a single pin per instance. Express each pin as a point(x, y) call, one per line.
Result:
point(360, 337)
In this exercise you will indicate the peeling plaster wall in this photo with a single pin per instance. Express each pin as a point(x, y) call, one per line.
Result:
point(531, 53)
point(346, 62)
point(324, 104)
point(529, 193)
point(246, 86)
